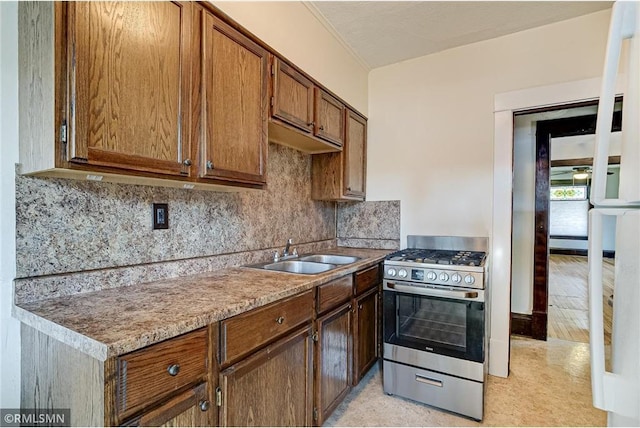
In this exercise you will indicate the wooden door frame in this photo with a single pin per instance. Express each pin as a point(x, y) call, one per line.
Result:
point(545, 131)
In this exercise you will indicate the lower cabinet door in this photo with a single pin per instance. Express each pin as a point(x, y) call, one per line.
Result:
point(272, 387)
point(334, 356)
point(365, 334)
point(190, 408)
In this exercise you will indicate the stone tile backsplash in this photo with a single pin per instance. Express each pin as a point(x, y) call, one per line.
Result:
point(79, 236)
point(66, 226)
point(370, 224)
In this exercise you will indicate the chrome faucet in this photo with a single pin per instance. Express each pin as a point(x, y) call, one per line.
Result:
point(286, 253)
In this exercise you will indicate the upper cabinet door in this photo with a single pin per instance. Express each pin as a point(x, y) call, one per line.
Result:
point(129, 85)
point(355, 150)
point(329, 118)
point(292, 97)
point(234, 90)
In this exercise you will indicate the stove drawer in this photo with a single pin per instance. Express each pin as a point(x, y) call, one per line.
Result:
point(454, 394)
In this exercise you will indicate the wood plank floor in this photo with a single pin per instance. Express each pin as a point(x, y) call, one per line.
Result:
point(568, 317)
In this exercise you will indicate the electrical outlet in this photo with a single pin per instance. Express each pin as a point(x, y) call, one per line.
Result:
point(161, 216)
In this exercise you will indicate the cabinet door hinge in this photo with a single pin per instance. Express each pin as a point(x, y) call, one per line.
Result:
point(272, 100)
point(314, 336)
point(315, 414)
point(218, 397)
point(63, 132)
point(273, 69)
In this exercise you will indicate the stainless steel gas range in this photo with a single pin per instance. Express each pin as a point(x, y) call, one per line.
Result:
point(435, 323)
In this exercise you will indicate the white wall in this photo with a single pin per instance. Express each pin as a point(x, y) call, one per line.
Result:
point(431, 136)
point(9, 327)
point(291, 29)
point(431, 119)
point(582, 146)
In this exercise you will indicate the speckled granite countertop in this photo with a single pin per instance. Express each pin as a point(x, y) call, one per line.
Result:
point(120, 320)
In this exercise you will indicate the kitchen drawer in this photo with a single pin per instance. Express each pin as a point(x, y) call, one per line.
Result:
point(334, 293)
point(367, 278)
point(153, 372)
point(247, 332)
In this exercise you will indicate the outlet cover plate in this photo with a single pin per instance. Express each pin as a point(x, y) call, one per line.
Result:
point(160, 216)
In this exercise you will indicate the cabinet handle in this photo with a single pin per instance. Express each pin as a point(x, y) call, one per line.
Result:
point(280, 320)
point(360, 306)
point(209, 164)
point(187, 162)
point(349, 188)
point(204, 405)
point(321, 128)
point(173, 369)
point(311, 124)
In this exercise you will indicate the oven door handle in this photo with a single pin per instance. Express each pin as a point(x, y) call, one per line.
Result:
point(433, 292)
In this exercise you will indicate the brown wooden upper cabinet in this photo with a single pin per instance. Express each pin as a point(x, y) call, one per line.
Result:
point(342, 176)
point(129, 85)
point(232, 96)
point(355, 155)
point(166, 93)
point(292, 97)
point(329, 118)
point(303, 115)
point(160, 93)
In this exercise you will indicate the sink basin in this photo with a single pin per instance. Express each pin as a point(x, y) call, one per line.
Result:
point(298, 266)
point(330, 258)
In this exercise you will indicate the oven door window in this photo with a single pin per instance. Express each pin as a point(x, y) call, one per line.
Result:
point(444, 326)
point(442, 322)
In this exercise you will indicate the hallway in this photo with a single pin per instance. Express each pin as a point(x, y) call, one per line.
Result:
point(569, 298)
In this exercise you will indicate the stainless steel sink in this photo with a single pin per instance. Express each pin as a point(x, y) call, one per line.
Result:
point(330, 258)
point(298, 266)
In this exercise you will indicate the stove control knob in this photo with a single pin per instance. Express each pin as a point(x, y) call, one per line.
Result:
point(391, 272)
point(469, 279)
point(431, 276)
point(402, 273)
point(456, 278)
point(444, 277)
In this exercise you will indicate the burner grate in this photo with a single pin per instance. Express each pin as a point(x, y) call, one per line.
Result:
point(440, 257)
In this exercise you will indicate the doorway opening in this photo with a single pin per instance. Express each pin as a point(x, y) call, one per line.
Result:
point(553, 150)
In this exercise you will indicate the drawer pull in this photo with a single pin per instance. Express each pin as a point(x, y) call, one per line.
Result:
point(280, 320)
point(428, 381)
point(204, 405)
point(173, 369)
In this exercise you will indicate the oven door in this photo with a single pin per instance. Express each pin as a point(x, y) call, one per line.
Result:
point(434, 319)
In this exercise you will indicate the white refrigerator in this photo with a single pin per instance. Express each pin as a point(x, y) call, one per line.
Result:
point(616, 387)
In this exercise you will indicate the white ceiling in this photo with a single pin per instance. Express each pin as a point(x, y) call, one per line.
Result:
point(385, 32)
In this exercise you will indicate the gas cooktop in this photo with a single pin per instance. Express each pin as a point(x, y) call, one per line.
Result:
point(438, 257)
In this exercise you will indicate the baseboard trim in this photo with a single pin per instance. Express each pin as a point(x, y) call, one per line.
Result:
point(573, 252)
point(521, 324)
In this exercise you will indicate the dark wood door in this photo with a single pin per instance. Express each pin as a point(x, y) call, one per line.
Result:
point(292, 97)
point(329, 118)
point(192, 408)
point(129, 85)
point(355, 155)
point(365, 334)
point(272, 387)
point(334, 358)
point(233, 82)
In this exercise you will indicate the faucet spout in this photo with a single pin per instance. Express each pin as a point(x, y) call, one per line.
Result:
point(286, 249)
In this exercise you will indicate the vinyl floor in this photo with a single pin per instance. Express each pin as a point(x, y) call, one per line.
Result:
point(548, 385)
